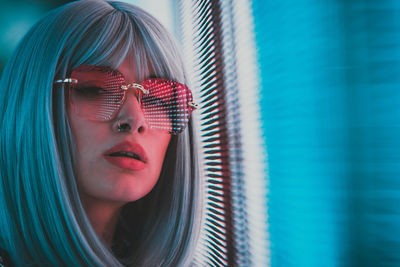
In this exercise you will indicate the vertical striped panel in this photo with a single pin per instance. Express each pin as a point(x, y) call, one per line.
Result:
point(205, 45)
point(215, 38)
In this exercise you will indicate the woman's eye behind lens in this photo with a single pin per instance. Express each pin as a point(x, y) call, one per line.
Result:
point(89, 92)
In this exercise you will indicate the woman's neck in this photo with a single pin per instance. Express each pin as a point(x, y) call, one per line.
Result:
point(103, 217)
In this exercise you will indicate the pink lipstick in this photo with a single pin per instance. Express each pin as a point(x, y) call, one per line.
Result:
point(127, 155)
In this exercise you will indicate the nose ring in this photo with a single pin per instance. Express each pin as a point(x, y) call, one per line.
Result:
point(123, 127)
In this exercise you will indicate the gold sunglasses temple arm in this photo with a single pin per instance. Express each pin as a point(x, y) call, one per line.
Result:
point(67, 80)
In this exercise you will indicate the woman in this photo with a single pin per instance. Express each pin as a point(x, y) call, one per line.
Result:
point(98, 164)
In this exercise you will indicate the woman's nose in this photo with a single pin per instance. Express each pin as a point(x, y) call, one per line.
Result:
point(131, 114)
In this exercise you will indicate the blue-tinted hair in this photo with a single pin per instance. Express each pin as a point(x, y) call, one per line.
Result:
point(42, 221)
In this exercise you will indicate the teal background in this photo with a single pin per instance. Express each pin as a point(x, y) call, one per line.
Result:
point(16, 17)
point(329, 101)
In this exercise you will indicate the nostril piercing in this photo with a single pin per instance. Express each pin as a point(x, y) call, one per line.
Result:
point(123, 127)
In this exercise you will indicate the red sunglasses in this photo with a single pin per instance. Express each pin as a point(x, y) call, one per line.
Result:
point(98, 93)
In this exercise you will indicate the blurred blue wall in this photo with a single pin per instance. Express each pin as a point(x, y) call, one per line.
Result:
point(330, 107)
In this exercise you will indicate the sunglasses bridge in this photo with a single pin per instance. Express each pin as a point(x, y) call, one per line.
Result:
point(136, 86)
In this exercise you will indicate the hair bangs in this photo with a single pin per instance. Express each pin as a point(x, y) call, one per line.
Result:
point(160, 49)
point(153, 48)
point(124, 34)
point(106, 43)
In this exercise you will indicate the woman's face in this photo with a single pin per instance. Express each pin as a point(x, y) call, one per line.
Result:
point(105, 172)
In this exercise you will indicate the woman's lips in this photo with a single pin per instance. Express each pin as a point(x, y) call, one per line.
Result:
point(118, 156)
point(126, 163)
